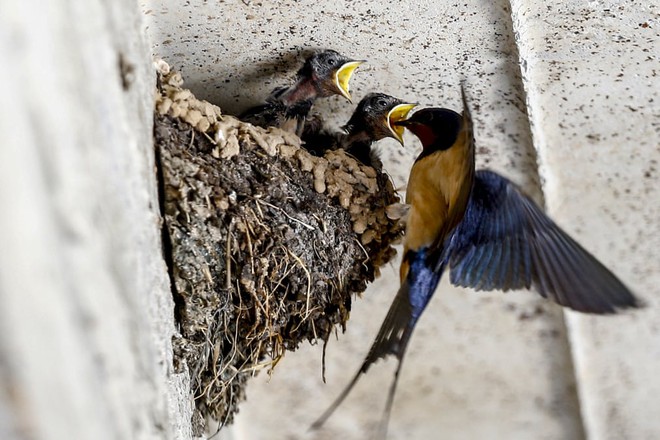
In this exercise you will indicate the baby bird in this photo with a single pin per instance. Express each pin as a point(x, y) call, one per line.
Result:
point(373, 119)
point(324, 74)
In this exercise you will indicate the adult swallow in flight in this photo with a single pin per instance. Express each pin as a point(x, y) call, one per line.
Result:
point(489, 235)
point(324, 74)
point(374, 119)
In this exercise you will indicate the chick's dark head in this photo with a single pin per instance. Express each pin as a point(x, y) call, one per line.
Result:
point(330, 72)
point(377, 114)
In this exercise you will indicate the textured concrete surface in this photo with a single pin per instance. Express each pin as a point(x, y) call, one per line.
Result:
point(593, 80)
point(85, 308)
point(480, 365)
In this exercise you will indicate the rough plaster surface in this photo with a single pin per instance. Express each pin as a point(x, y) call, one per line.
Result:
point(480, 365)
point(592, 75)
point(85, 308)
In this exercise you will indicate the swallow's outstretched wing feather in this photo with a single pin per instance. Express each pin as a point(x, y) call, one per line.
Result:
point(506, 241)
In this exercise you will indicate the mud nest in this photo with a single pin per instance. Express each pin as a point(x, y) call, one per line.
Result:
point(266, 243)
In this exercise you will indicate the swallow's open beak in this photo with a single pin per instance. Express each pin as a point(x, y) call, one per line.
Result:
point(343, 77)
point(396, 119)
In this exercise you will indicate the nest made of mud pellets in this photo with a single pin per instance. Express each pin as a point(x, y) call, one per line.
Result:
point(266, 243)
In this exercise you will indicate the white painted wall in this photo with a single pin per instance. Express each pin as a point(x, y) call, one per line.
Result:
point(586, 108)
point(85, 309)
point(592, 74)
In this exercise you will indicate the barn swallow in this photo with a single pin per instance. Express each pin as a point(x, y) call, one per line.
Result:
point(374, 119)
point(490, 236)
point(322, 75)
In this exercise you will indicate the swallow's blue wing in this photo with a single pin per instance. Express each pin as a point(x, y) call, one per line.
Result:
point(505, 241)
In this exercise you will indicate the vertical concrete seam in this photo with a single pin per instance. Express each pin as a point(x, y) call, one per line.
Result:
point(522, 68)
point(525, 64)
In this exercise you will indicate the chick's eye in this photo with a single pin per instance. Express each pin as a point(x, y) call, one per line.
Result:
point(382, 103)
point(331, 61)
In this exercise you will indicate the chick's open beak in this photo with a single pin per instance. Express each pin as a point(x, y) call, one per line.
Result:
point(396, 120)
point(343, 77)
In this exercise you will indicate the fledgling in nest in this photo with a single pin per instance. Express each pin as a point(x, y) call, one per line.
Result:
point(373, 119)
point(324, 74)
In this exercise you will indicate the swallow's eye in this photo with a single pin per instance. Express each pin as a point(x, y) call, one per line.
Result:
point(332, 61)
point(381, 103)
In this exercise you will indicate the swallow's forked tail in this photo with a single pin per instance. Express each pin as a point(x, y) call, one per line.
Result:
point(393, 338)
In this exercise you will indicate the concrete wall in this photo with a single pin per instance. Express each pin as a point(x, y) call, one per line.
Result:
point(565, 95)
point(592, 77)
point(563, 92)
point(85, 309)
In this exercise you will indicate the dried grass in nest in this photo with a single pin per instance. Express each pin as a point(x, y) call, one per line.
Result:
point(268, 243)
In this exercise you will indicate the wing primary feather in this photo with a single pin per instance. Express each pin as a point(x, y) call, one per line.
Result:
point(548, 275)
point(614, 291)
point(601, 290)
point(502, 278)
point(518, 260)
point(566, 290)
point(523, 254)
point(516, 263)
point(565, 285)
point(585, 288)
point(554, 269)
point(537, 269)
point(457, 275)
point(577, 272)
point(490, 229)
point(553, 275)
point(578, 289)
point(487, 281)
point(526, 260)
point(477, 267)
point(508, 273)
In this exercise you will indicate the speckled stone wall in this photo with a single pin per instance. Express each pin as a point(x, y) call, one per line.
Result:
point(563, 90)
point(86, 312)
point(592, 76)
